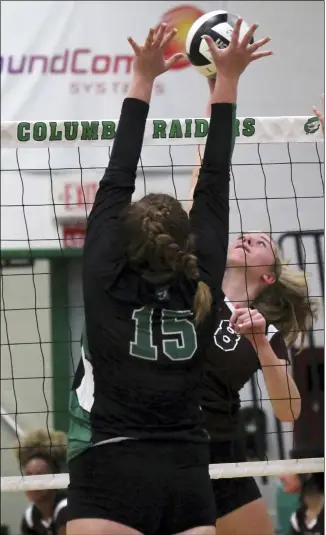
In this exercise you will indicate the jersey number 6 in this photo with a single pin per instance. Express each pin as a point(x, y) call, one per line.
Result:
point(181, 346)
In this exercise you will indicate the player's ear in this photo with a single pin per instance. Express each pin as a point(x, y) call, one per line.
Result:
point(269, 278)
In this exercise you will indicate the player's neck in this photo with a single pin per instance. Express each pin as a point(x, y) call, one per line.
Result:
point(238, 287)
point(46, 507)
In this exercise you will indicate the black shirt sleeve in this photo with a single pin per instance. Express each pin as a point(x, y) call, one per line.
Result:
point(294, 524)
point(279, 347)
point(210, 211)
point(103, 249)
point(61, 515)
point(277, 344)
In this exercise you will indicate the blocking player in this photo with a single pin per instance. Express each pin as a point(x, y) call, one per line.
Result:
point(138, 452)
point(265, 309)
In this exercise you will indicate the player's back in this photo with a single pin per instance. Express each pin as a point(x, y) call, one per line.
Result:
point(146, 363)
point(142, 356)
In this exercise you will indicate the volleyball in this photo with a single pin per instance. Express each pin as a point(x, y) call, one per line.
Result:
point(217, 24)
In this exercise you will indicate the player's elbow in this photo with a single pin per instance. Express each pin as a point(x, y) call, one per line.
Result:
point(289, 411)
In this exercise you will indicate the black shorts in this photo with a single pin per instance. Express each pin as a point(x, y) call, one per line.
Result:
point(230, 494)
point(155, 488)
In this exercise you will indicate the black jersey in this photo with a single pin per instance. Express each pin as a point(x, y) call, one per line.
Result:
point(300, 525)
point(142, 355)
point(33, 522)
point(231, 362)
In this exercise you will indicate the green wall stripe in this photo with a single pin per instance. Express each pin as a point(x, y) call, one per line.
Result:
point(60, 343)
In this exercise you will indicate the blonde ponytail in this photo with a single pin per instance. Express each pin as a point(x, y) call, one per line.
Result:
point(286, 303)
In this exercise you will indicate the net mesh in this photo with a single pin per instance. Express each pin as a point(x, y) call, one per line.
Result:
point(49, 176)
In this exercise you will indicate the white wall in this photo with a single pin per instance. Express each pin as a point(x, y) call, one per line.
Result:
point(25, 361)
point(292, 81)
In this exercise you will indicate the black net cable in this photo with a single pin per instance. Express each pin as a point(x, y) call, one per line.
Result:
point(277, 422)
point(35, 308)
point(30, 241)
point(62, 252)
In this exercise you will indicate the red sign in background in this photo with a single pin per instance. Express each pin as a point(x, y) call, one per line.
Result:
point(74, 236)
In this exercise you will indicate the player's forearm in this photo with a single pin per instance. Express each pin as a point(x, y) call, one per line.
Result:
point(195, 174)
point(209, 215)
point(219, 143)
point(129, 139)
point(118, 183)
point(220, 138)
point(225, 90)
point(199, 158)
point(281, 388)
point(141, 88)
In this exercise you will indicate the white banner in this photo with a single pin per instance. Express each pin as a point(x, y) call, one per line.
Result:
point(70, 60)
point(158, 132)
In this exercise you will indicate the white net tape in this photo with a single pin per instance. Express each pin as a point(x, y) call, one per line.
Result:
point(217, 471)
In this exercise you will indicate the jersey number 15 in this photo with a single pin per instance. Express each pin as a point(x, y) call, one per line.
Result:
point(179, 339)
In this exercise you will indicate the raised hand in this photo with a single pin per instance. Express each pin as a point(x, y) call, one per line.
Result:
point(232, 61)
point(249, 323)
point(150, 61)
point(320, 115)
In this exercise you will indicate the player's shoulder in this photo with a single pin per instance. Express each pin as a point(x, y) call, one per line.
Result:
point(60, 503)
point(272, 331)
point(224, 307)
point(29, 516)
point(277, 342)
point(299, 524)
point(295, 521)
point(273, 335)
point(31, 519)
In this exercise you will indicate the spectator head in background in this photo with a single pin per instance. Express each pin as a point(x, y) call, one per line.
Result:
point(41, 452)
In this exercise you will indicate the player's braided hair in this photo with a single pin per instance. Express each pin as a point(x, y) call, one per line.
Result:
point(286, 303)
point(159, 245)
point(43, 444)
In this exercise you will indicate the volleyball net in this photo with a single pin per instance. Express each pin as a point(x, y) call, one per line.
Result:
point(49, 176)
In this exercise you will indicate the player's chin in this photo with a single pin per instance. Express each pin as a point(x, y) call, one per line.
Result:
point(238, 258)
point(36, 496)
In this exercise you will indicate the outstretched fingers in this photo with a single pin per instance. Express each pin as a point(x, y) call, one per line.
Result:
point(174, 59)
point(169, 34)
point(136, 48)
point(236, 34)
point(258, 55)
point(211, 47)
point(248, 36)
point(159, 35)
point(258, 44)
point(163, 35)
point(149, 39)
